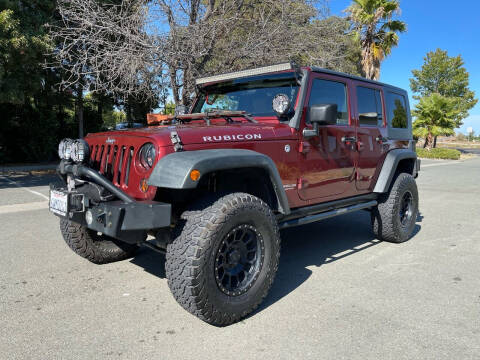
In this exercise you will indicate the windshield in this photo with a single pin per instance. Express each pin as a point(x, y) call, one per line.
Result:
point(253, 95)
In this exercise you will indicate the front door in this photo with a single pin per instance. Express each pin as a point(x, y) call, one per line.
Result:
point(369, 114)
point(327, 160)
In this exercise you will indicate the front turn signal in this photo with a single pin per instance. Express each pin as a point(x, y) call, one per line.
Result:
point(195, 175)
point(144, 185)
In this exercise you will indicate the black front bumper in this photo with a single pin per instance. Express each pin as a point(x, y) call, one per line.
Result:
point(122, 217)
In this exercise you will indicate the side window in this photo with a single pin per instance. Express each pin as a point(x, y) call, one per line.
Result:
point(397, 111)
point(370, 109)
point(330, 92)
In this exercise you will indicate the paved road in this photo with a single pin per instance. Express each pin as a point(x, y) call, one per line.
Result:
point(475, 151)
point(339, 293)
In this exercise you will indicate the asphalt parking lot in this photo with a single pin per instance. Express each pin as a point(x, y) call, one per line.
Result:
point(339, 293)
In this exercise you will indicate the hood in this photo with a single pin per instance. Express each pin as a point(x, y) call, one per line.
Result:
point(199, 133)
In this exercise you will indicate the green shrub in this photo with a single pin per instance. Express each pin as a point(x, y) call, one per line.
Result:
point(439, 153)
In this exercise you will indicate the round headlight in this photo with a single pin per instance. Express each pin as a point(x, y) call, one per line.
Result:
point(80, 151)
point(65, 149)
point(281, 104)
point(147, 156)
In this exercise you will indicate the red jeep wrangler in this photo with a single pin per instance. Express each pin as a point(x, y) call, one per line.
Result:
point(260, 150)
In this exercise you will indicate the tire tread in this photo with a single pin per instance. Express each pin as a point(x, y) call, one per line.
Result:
point(186, 259)
point(384, 215)
point(81, 242)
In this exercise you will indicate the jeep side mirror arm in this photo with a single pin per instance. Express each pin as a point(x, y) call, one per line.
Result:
point(309, 133)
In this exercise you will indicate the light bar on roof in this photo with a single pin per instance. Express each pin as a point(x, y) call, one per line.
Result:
point(245, 73)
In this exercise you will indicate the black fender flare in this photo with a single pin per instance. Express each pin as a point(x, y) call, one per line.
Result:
point(173, 170)
point(390, 166)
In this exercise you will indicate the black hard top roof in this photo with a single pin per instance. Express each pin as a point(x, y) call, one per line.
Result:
point(288, 68)
point(354, 77)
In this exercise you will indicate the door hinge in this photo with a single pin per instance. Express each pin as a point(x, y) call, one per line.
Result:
point(304, 147)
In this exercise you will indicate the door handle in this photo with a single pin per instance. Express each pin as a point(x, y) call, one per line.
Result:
point(349, 139)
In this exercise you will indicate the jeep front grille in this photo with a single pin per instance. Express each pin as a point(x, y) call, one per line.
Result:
point(113, 161)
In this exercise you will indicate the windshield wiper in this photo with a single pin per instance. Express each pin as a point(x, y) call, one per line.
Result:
point(229, 114)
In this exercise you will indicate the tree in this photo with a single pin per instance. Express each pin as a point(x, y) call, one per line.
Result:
point(471, 136)
point(102, 44)
point(274, 31)
point(207, 37)
point(446, 76)
point(29, 105)
point(331, 46)
point(435, 116)
point(35, 112)
point(376, 30)
point(100, 47)
point(124, 50)
point(23, 43)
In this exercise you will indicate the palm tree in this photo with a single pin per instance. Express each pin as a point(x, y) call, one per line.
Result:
point(376, 31)
point(435, 116)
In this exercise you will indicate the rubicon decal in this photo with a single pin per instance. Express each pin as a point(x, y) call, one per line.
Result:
point(232, 137)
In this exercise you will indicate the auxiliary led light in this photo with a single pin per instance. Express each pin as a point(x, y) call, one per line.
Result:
point(65, 149)
point(245, 73)
point(80, 151)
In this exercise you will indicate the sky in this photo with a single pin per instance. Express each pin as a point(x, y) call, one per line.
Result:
point(449, 25)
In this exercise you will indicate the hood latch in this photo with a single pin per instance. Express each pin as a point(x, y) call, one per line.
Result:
point(176, 141)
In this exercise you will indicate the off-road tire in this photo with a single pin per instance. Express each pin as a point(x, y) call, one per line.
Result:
point(99, 249)
point(190, 259)
point(386, 218)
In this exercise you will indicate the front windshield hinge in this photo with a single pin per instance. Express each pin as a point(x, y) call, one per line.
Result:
point(297, 70)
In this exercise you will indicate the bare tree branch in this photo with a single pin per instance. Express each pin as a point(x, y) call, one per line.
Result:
point(123, 49)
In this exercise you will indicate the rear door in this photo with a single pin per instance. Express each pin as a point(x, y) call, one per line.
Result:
point(370, 121)
point(327, 160)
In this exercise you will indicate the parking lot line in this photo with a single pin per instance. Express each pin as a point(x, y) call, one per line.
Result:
point(24, 188)
point(14, 208)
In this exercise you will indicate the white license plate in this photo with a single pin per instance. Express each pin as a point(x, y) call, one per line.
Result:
point(58, 202)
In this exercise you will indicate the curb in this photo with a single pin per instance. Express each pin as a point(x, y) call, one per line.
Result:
point(49, 168)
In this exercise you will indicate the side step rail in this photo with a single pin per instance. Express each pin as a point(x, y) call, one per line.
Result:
point(325, 215)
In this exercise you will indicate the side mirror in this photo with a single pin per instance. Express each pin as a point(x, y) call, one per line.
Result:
point(324, 114)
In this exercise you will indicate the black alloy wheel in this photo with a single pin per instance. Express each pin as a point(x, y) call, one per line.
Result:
point(239, 260)
point(406, 208)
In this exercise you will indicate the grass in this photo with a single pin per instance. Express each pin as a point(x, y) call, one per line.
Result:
point(439, 153)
